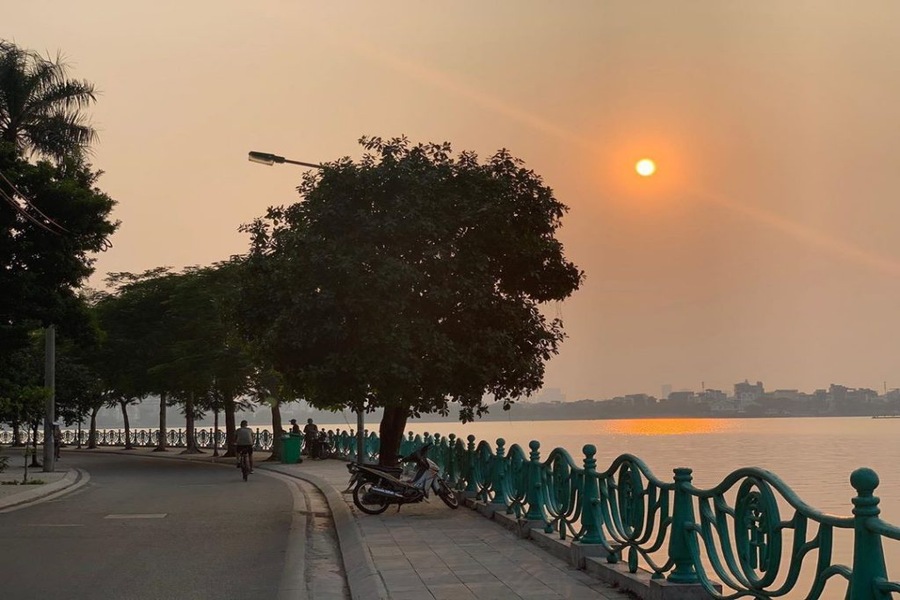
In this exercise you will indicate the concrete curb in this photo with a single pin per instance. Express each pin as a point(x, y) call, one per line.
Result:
point(363, 578)
point(74, 479)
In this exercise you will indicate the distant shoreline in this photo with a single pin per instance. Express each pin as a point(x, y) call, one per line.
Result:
point(375, 417)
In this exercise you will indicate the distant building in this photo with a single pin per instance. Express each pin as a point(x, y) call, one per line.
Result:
point(747, 393)
point(724, 406)
point(681, 399)
point(639, 400)
point(711, 396)
point(666, 390)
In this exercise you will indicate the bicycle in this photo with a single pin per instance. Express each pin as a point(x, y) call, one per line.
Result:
point(244, 460)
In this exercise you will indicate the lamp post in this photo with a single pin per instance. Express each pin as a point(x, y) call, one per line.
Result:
point(265, 158)
point(50, 402)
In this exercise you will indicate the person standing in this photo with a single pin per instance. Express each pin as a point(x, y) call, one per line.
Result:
point(295, 428)
point(311, 437)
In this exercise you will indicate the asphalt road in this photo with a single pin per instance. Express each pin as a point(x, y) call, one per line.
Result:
point(146, 528)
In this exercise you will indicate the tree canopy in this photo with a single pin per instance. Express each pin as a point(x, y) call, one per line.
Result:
point(410, 279)
point(41, 108)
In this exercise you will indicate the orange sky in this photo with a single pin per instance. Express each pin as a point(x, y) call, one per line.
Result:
point(765, 247)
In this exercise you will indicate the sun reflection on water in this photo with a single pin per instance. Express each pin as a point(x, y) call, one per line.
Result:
point(669, 426)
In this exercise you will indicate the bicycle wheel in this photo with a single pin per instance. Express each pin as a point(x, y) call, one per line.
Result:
point(366, 501)
point(446, 494)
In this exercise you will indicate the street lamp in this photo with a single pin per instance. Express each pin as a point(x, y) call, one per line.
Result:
point(265, 158)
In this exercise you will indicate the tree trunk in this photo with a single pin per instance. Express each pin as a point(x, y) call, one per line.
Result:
point(161, 442)
point(229, 426)
point(393, 424)
point(16, 433)
point(92, 432)
point(276, 431)
point(215, 432)
point(124, 406)
point(191, 441)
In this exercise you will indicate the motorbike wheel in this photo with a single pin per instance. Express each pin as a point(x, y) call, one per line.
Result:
point(446, 494)
point(367, 502)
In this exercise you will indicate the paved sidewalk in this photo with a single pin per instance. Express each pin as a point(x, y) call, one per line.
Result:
point(430, 551)
point(14, 493)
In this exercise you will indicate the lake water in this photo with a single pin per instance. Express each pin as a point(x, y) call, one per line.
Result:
point(814, 456)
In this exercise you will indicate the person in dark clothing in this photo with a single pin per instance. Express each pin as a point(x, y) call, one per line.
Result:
point(295, 428)
point(311, 437)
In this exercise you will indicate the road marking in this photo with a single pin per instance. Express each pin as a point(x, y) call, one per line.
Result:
point(138, 516)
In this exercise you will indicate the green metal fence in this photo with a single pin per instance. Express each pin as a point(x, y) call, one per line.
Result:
point(733, 532)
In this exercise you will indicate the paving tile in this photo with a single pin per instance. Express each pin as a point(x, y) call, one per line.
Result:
point(432, 578)
point(492, 591)
point(402, 581)
point(468, 576)
point(423, 594)
point(451, 592)
point(392, 564)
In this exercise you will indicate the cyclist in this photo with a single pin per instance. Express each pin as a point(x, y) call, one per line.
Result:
point(243, 441)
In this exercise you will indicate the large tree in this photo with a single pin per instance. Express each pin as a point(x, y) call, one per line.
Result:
point(171, 334)
point(52, 216)
point(409, 280)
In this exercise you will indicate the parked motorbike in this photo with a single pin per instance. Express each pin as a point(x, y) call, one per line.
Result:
point(376, 487)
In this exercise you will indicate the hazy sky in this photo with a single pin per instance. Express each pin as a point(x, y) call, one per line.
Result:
point(766, 247)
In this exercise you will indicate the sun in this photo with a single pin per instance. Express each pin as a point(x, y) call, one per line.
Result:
point(645, 167)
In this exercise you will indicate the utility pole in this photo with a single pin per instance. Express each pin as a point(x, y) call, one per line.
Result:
point(50, 405)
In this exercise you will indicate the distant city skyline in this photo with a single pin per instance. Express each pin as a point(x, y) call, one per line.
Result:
point(146, 413)
point(763, 247)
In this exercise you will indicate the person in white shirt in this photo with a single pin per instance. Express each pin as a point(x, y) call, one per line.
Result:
point(243, 441)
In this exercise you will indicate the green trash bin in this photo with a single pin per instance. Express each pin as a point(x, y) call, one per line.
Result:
point(290, 449)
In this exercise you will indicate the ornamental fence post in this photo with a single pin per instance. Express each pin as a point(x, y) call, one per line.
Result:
point(868, 553)
point(406, 444)
point(535, 493)
point(682, 518)
point(590, 494)
point(471, 484)
point(450, 468)
point(497, 474)
point(438, 456)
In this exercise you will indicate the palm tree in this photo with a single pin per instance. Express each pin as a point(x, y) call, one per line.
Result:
point(41, 110)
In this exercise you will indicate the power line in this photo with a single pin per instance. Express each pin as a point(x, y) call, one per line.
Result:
point(30, 205)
